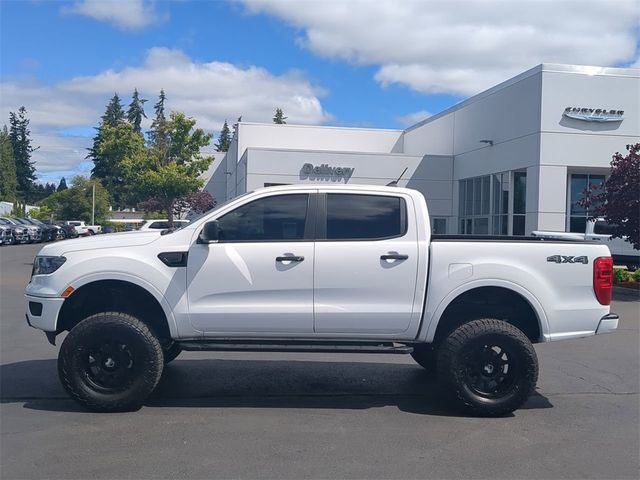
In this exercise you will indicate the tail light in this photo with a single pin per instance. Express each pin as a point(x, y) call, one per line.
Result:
point(603, 279)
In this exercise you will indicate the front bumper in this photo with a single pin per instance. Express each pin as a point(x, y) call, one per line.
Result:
point(608, 324)
point(48, 309)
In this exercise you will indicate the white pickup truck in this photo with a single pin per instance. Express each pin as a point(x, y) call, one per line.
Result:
point(598, 230)
point(84, 230)
point(319, 269)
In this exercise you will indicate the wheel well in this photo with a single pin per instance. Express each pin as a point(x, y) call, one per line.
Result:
point(113, 296)
point(490, 302)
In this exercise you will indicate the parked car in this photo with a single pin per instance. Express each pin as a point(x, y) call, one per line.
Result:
point(84, 229)
point(4, 234)
point(34, 233)
point(317, 268)
point(598, 230)
point(67, 231)
point(162, 224)
point(17, 232)
point(50, 232)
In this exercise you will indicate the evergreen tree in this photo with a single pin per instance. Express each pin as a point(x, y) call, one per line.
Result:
point(279, 117)
point(224, 140)
point(158, 135)
point(114, 113)
point(62, 185)
point(135, 113)
point(8, 180)
point(22, 149)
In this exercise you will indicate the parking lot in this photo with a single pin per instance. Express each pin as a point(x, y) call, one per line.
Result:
point(249, 415)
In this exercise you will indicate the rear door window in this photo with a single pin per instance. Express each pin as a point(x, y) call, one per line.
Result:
point(365, 217)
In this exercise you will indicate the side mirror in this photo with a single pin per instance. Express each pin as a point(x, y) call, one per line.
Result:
point(210, 232)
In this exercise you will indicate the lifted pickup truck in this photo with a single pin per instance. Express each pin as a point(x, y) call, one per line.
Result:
point(320, 269)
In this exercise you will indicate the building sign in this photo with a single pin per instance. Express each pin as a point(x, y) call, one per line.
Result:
point(326, 172)
point(594, 114)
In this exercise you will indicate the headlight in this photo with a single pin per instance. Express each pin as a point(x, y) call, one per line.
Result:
point(46, 265)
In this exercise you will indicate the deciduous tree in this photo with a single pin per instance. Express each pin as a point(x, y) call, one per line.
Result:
point(169, 172)
point(618, 201)
point(75, 203)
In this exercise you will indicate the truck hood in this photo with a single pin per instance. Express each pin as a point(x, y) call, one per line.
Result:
point(109, 240)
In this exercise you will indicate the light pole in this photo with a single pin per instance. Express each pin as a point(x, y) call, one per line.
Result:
point(93, 206)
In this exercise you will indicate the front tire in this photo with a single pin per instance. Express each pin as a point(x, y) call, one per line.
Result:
point(488, 366)
point(110, 362)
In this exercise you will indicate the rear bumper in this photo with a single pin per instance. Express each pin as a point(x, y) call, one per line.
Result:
point(608, 324)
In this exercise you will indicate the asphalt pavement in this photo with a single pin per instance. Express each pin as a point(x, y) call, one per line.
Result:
point(249, 415)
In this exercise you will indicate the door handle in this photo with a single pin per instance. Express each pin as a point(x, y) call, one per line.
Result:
point(394, 256)
point(290, 258)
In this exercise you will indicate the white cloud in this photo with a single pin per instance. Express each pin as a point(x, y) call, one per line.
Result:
point(210, 92)
point(465, 46)
point(412, 118)
point(125, 14)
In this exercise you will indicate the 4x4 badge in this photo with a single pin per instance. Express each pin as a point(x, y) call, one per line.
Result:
point(567, 259)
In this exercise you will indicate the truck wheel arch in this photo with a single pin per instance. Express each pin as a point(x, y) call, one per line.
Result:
point(135, 298)
point(494, 299)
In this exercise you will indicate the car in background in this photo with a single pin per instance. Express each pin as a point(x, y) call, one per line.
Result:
point(50, 233)
point(4, 234)
point(162, 224)
point(34, 233)
point(84, 229)
point(67, 231)
point(17, 232)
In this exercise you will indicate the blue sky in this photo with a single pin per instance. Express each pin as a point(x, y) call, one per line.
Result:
point(355, 63)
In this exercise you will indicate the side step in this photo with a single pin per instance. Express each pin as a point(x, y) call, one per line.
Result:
point(294, 346)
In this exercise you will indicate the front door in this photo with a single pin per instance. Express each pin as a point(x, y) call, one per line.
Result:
point(365, 265)
point(258, 279)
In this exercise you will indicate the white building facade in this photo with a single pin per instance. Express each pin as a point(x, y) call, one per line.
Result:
point(507, 161)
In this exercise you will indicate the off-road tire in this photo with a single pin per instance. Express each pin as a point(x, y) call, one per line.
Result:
point(142, 358)
point(171, 352)
point(426, 356)
point(476, 347)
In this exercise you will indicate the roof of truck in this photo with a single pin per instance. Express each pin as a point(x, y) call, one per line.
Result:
point(328, 185)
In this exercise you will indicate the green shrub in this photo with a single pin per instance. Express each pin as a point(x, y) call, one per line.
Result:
point(636, 275)
point(621, 275)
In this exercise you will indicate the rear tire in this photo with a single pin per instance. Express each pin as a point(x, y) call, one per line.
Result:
point(110, 362)
point(488, 366)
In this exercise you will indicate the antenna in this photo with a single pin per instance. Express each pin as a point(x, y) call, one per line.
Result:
point(394, 183)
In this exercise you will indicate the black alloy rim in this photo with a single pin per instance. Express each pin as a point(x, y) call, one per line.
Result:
point(110, 365)
point(491, 368)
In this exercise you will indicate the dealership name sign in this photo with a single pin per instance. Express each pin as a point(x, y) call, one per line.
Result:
point(325, 171)
point(594, 114)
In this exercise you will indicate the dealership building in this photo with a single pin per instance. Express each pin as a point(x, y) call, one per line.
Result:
point(512, 159)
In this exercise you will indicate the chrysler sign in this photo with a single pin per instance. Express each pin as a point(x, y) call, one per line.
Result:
point(594, 114)
point(326, 172)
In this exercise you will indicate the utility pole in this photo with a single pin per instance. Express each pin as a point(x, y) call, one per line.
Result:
point(93, 206)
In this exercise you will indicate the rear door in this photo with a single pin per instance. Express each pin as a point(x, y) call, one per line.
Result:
point(366, 261)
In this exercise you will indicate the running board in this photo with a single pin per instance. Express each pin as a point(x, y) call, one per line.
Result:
point(293, 346)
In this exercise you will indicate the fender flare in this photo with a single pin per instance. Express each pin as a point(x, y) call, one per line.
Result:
point(537, 307)
point(140, 282)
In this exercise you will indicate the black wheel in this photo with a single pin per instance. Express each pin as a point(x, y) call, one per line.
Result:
point(171, 352)
point(488, 366)
point(426, 357)
point(110, 362)
point(11, 240)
